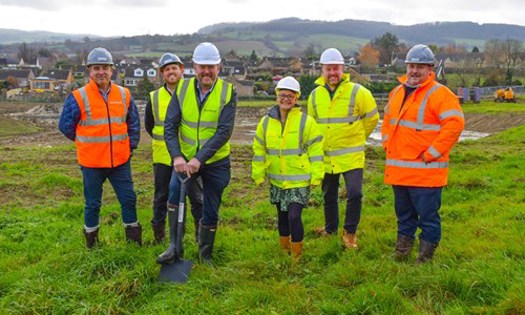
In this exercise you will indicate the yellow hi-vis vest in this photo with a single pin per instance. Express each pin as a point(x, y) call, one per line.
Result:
point(345, 122)
point(197, 127)
point(160, 100)
point(291, 156)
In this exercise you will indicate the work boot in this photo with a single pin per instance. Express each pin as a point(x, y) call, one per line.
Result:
point(196, 223)
point(134, 233)
point(297, 251)
point(285, 243)
point(159, 231)
point(426, 251)
point(349, 240)
point(206, 240)
point(404, 245)
point(321, 231)
point(91, 238)
point(170, 255)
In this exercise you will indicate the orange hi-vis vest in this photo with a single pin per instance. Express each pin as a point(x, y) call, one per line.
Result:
point(102, 132)
point(427, 124)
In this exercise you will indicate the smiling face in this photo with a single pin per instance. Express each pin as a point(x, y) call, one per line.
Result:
point(101, 75)
point(206, 75)
point(172, 73)
point(286, 99)
point(332, 74)
point(417, 73)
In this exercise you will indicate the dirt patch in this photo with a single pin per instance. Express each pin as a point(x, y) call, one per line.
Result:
point(493, 123)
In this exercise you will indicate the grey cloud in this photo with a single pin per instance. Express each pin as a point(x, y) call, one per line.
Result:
point(46, 5)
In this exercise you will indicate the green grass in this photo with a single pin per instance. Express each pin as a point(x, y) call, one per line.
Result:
point(478, 268)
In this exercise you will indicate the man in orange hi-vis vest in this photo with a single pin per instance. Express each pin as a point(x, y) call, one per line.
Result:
point(102, 119)
point(422, 122)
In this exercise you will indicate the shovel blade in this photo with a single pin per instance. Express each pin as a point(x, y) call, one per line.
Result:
point(178, 272)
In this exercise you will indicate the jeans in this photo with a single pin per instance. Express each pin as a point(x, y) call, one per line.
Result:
point(120, 179)
point(162, 177)
point(418, 207)
point(215, 178)
point(354, 192)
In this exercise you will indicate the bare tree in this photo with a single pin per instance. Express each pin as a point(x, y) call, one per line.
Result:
point(506, 54)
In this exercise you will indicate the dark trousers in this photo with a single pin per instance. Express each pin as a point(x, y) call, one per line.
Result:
point(120, 179)
point(215, 177)
point(162, 177)
point(354, 192)
point(418, 207)
point(290, 222)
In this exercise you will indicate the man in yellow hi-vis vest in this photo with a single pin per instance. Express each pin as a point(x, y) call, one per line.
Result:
point(171, 70)
point(197, 130)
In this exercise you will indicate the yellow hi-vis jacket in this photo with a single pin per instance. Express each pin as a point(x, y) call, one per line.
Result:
point(160, 100)
point(291, 155)
point(345, 121)
point(198, 126)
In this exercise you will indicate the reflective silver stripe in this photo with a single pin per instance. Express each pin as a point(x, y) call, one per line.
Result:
point(224, 93)
point(124, 99)
point(261, 141)
point(189, 123)
point(370, 114)
point(158, 137)
point(345, 151)
point(387, 110)
point(289, 177)
point(183, 91)
point(414, 125)
point(416, 164)
point(450, 113)
point(188, 140)
point(340, 120)
point(102, 121)
point(278, 152)
point(94, 122)
point(208, 124)
point(265, 128)
point(85, 99)
point(259, 158)
point(302, 124)
point(434, 152)
point(317, 158)
point(203, 141)
point(96, 139)
point(351, 104)
point(156, 111)
point(423, 107)
point(314, 103)
point(314, 140)
point(384, 138)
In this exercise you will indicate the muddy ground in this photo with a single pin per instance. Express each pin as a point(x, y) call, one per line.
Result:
point(46, 117)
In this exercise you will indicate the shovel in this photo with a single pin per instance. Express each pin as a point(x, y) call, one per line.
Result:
point(179, 270)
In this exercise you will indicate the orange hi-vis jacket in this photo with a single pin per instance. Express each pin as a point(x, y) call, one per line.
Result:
point(102, 133)
point(427, 124)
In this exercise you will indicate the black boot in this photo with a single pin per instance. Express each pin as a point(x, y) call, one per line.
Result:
point(404, 246)
point(206, 240)
point(91, 238)
point(170, 255)
point(134, 234)
point(159, 231)
point(426, 251)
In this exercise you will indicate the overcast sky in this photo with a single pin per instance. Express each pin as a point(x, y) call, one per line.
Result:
point(168, 17)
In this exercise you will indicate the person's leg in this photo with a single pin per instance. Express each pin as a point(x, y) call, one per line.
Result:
point(93, 179)
point(296, 229)
point(406, 222)
point(283, 226)
point(196, 196)
point(162, 176)
point(427, 202)
point(354, 193)
point(330, 187)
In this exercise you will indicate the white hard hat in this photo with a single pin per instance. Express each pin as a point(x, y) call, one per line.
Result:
point(288, 83)
point(169, 58)
point(206, 54)
point(420, 54)
point(332, 56)
point(99, 56)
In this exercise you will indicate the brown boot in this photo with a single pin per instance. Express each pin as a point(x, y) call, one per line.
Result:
point(426, 251)
point(285, 243)
point(134, 233)
point(404, 245)
point(159, 231)
point(321, 231)
point(349, 240)
point(297, 251)
point(91, 238)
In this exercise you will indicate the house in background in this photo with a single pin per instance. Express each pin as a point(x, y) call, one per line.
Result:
point(53, 80)
point(20, 78)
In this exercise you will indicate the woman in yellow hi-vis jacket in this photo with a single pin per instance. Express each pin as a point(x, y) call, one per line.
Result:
point(288, 150)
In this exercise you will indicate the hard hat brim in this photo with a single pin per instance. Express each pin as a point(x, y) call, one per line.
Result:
point(206, 62)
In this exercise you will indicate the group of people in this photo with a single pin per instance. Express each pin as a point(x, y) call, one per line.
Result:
point(191, 121)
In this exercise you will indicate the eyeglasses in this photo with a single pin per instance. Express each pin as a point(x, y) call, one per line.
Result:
point(286, 96)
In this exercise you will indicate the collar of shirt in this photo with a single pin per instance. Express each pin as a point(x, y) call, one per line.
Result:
point(105, 93)
point(202, 97)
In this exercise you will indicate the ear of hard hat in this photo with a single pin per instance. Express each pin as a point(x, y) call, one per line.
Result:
point(206, 54)
point(169, 58)
point(332, 56)
point(99, 56)
point(420, 54)
point(289, 83)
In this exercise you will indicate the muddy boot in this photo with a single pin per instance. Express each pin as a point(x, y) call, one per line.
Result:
point(91, 238)
point(170, 255)
point(159, 231)
point(285, 243)
point(404, 245)
point(206, 240)
point(134, 233)
point(426, 251)
point(297, 251)
point(349, 240)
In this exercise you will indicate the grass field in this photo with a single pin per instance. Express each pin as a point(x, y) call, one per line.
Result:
point(478, 269)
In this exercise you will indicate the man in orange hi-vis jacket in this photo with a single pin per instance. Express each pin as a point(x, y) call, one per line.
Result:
point(422, 122)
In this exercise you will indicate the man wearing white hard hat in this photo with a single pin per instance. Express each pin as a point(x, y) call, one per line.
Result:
point(347, 114)
point(171, 71)
point(288, 150)
point(197, 130)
